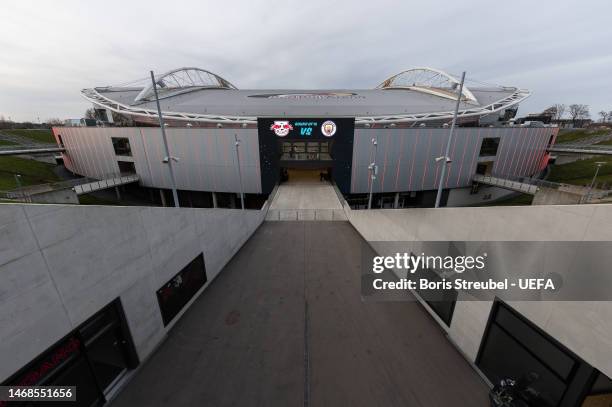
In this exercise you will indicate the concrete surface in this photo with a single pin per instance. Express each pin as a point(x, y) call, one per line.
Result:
point(59, 264)
point(305, 200)
point(284, 325)
point(552, 196)
point(582, 326)
point(306, 195)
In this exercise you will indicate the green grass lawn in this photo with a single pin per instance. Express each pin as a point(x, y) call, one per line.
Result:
point(605, 143)
point(581, 172)
point(32, 172)
point(41, 136)
point(578, 134)
point(4, 143)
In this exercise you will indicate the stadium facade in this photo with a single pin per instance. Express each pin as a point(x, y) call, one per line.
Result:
point(401, 126)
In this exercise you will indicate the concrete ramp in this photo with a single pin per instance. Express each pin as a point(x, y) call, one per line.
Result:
point(306, 200)
point(564, 320)
point(284, 325)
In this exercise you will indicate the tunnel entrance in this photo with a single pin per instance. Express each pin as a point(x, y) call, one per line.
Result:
point(305, 161)
point(316, 149)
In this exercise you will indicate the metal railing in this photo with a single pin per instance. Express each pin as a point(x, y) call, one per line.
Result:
point(109, 181)
point(581, 149)
point(531, 186)
point(23, 149)
point(508, 180)
point(518, 185)
point(80, 186)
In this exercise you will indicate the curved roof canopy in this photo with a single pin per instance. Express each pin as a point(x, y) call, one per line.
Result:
point(414, 95)
point(428, 80)
point(183, 80)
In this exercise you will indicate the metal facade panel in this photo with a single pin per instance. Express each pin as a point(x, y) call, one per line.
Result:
point(406, 157)
point(207, 158)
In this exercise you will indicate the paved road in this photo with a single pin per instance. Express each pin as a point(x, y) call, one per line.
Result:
point(284, 325)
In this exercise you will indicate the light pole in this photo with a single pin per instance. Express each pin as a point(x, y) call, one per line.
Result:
point(599, 164)
point(373, 170)
point(237, 143)
point(18, 182)
point(168, 159)
point(446, 159)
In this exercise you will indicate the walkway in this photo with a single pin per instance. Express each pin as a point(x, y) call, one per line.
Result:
point(106, 183)
point(581, 149)
point(306, 200)
point(284, 325)
point(510, 184)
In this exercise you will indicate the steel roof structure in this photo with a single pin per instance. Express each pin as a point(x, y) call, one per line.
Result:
point(197, 95)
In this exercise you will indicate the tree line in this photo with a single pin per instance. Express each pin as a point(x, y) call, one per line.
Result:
point(576, 112)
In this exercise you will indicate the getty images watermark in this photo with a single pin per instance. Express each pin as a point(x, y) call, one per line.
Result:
point(511, 270)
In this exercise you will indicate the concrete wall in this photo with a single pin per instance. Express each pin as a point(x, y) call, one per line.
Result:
point(59, 264)
point(406, 157)
point(207, 156)
point(485, 194)
point(61, 196)
point(583, 327)
point(550, 196)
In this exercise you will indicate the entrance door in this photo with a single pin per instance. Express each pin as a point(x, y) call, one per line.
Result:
point(484, 168)
point(93, 357)
point(105, 347)
point(515, 348)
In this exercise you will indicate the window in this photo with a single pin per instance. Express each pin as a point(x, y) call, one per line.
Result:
point(92, 357)
point(126, 167)
point(121, 145)
point(442, 302)
point(61, 142)
point(489, 146)
point(177, 292)
point(300, 150)
point(513, 347)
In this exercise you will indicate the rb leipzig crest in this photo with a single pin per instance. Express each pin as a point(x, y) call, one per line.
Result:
point(281, 128)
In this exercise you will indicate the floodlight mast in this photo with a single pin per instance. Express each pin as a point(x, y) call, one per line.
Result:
point(373, 171)
point(446, 159)
point(237, 144)
point(168, 157)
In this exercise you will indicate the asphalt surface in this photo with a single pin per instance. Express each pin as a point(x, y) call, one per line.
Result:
point(284, 325)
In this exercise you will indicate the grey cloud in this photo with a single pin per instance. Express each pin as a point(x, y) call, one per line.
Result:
point(51, 50)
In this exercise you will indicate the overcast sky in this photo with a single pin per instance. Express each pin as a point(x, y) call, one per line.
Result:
point(49, 50)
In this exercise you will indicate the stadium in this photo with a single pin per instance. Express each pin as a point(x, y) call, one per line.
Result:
point(225, 141)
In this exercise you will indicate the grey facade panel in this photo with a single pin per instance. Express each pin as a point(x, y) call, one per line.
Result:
point(207, 157)
point(406, 157)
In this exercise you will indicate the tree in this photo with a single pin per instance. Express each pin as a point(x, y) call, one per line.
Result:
point(54, 122)
point(558, 110)
point(604, 116)
point(122, 120)
point(91, 114)
point(578, 112)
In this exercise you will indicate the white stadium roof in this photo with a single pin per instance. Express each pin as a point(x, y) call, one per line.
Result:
point(197, 95)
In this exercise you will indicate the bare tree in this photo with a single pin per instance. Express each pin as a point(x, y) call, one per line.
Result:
point(54, 122)
point(122, 120)
point(604, 116)
point(578, 112)
point(91, 113)
point(558, 111)
point(610, 116)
